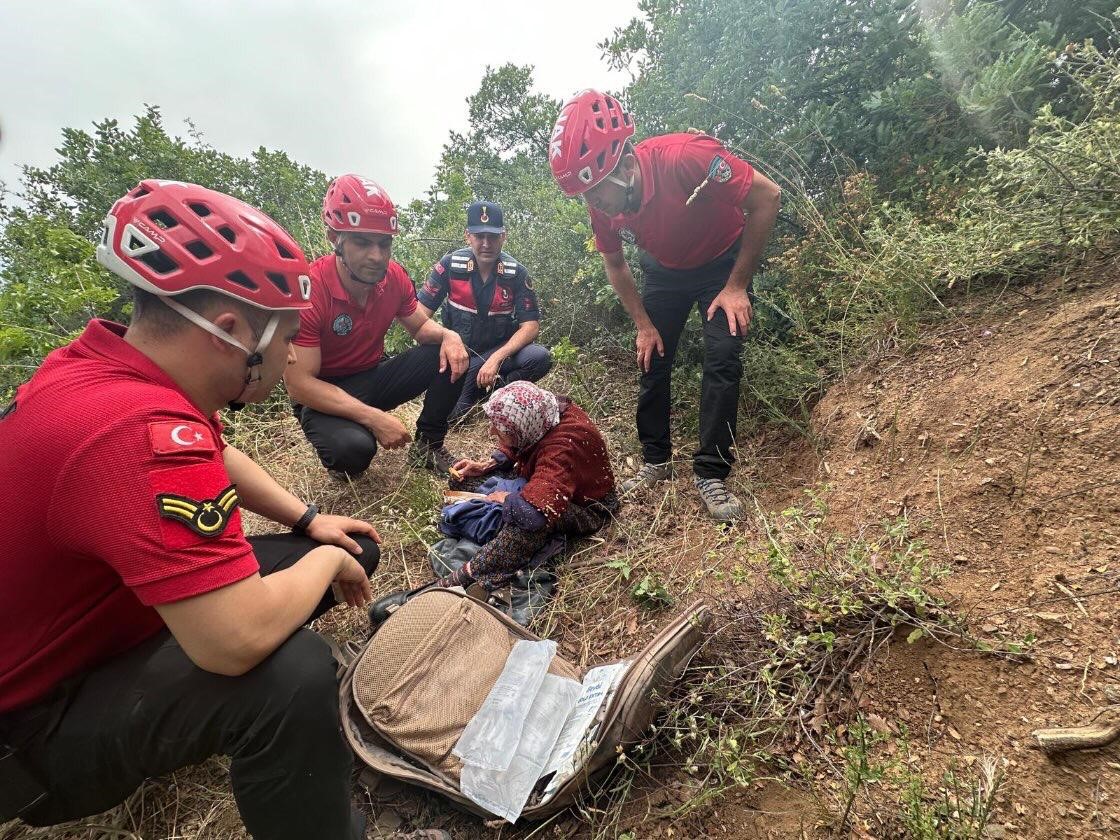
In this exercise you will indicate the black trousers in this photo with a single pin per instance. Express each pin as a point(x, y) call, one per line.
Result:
point(151, 711)
point(349, 447)
point(668, 297)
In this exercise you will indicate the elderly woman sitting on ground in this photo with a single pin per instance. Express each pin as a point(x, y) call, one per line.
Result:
point(566, 488)
point(569, 487)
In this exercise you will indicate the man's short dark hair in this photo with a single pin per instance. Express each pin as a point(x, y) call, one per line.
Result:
point(150, 313)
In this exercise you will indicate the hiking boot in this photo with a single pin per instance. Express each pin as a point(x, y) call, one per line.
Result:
point(648, 476)
point(428, 456)
point(721, 503)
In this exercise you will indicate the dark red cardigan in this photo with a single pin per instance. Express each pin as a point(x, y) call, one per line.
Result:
point(569, 464)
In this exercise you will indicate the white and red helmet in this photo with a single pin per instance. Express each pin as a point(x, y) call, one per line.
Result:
point(359, 205)
point(587, 140)
point(168, 237)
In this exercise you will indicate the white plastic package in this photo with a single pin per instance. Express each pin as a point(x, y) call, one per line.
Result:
point(505, 792)
point(490, 739)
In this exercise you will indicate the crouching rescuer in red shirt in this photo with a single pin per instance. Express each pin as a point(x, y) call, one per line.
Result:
point(700, 217)
point(140, 630)
point(341, 384)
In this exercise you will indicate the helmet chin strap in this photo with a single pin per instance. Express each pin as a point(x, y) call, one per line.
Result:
point(629, 187)
point(253, 357)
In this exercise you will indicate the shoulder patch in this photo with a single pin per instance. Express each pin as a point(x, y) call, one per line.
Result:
point(206, 517)
point(719, 170)
point(176, 437)
point(438, 267)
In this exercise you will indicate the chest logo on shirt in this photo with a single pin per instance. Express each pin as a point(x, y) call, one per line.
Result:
point(627, 235)
point(342, 325)
point(719, 170)
point(206, 517)
point(470, 266)
point(504, 294)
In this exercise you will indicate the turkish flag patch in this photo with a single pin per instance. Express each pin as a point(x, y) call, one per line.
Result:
point(438, 268)
point(174, 437)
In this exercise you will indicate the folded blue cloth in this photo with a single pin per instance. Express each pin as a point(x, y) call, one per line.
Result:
point(495, 483)
point(477, 519)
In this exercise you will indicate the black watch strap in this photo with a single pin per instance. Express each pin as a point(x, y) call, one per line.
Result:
point(301, 524)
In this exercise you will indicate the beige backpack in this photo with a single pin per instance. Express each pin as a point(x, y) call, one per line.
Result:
point(427, 670)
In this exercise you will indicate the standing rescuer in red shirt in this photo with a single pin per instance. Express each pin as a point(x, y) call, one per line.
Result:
point(140, 630)
point(700, 217)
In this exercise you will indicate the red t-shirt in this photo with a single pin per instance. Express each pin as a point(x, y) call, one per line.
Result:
point(106, 464)
point(676, 234)
point(351, 338)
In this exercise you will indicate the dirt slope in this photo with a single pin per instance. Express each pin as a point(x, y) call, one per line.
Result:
point(999, 438)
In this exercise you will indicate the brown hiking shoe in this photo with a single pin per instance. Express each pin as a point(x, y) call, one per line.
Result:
point(648, 476)
point(429, 457)
point(721, 503)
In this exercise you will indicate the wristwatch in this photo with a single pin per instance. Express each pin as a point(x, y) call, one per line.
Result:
point(301, 524)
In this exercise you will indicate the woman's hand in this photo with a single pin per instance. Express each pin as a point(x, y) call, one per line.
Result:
point(466, 468)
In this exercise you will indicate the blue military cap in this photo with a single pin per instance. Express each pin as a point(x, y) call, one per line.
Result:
point(485, 217)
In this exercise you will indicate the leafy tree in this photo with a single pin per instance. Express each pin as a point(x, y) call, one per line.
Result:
point(50, 284)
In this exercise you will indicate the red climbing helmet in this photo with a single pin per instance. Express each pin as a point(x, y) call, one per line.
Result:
point(360, 205)
point(168, 237)
point(587, 140)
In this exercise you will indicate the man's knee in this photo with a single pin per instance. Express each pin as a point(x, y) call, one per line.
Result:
point(298, 678)
point(371, 553)
point(429, 353)
point(721, 348)
point(350, 451)
point(536, 361)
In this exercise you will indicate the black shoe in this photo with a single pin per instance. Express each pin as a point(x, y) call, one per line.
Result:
point(430, 457)
point(386, 605)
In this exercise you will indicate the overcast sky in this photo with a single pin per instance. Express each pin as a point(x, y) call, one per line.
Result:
point(372, 87)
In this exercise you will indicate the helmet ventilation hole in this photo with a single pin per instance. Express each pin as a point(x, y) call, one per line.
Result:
point(242, 279)
point(279, 281)
point(200, 209)
point(226, 232)
point(164, 219)
point(159, 262)
point(199, 249)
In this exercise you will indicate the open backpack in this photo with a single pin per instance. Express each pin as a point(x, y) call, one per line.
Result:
point(408, 696)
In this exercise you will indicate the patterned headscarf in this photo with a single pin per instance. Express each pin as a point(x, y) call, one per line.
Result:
point(523, 412)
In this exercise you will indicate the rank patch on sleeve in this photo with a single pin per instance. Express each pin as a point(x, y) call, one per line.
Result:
point(174, 437)
point(206, 517)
